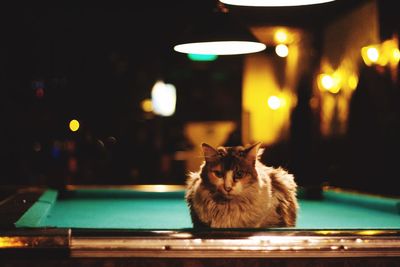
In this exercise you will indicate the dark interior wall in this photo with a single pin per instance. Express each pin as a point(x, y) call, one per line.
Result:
point(363, 158)
point(96, 64)
point(388, 17)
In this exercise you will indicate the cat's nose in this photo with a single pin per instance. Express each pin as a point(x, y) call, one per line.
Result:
point(228, 188)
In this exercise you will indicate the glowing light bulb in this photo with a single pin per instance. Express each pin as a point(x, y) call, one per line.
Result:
point(373, 54)
point(327, 81)
point(280, 36)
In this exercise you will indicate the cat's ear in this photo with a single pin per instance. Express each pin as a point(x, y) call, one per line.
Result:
point(252, 152)
point(209, 152)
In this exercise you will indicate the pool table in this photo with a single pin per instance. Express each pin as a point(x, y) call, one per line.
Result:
point(149, 225)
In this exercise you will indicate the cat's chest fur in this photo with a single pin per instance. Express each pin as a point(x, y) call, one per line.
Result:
point(268, 201)
point(247, 211)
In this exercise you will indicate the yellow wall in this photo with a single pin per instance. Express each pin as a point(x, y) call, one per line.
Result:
point(343, 40)
point(260, 123)
point(266, 75)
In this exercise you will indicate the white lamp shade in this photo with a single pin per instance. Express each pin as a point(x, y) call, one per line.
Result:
point(219, 34)
point(273, 3)
point(221, 48)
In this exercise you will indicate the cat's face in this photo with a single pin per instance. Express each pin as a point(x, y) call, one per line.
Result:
point(230, 170)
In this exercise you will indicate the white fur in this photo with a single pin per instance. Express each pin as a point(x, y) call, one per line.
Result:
point(255, 206)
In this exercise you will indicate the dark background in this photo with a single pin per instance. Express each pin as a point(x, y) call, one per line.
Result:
point(97, 63)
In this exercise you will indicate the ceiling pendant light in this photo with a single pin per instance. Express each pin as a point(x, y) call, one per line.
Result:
point(273, 3)
point(218, 34)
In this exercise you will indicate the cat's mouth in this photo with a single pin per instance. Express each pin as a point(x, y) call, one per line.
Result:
point(226, 195)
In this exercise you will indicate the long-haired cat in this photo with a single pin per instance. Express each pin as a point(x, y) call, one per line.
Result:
point(233, 189)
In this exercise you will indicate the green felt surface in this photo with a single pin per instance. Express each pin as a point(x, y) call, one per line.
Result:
point(38, 212)
point(126, 209)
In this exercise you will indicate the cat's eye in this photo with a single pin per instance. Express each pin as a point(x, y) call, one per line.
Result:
point(239, 174)
point(218, 174)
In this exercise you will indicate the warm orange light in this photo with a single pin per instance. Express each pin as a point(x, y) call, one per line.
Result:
point(274, 102)
point(280, 36)
point(373, 54)
point(352, 82)
point(370, 55)
point(329, 83)
point(147, 105)
point(396, 55)
point(10, 242)
point(266, 104)
point(326, 81)
point(381, 54)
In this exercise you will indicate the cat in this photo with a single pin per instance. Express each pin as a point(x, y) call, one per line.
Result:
point(234, 189)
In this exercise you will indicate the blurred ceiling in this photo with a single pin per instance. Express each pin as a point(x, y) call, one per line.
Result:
point(152, 28)
point(88, 41)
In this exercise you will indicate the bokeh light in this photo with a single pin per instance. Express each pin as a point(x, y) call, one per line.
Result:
point(74, 125)
point(274, 102)
point(282, 50)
